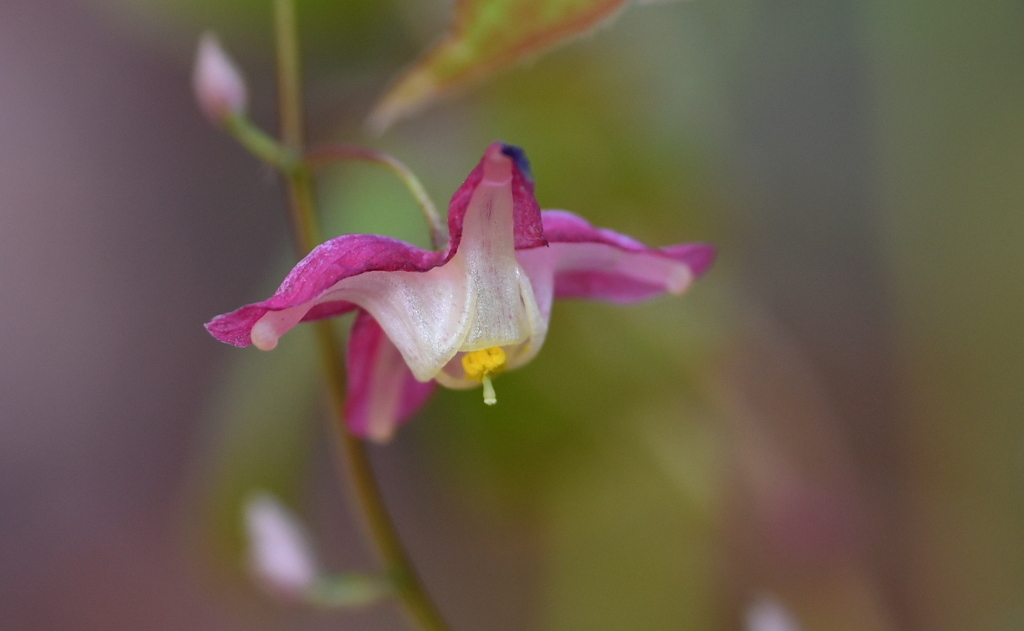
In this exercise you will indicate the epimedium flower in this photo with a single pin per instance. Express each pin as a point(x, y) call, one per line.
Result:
point(463, 315)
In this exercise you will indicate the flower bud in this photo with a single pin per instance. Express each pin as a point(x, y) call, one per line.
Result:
point(280, 555)
point(768, 614)
point(218, 84)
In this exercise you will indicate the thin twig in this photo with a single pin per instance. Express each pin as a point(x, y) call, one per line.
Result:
point(307, 231)
point(327, 154)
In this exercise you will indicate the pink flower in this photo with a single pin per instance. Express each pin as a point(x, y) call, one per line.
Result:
point(458, 317)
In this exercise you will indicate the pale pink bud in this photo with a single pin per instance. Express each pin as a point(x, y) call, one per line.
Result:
point(219, 86)
point(768, 614)
point(280, 554)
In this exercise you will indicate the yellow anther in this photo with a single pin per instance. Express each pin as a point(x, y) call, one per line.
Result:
point(484, 363)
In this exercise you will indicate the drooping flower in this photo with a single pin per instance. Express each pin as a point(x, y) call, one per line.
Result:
point(461, 316)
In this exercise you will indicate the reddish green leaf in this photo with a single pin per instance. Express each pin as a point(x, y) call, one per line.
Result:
point(488, 36)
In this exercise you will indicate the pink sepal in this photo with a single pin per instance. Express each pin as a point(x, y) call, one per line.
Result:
point(382, 393)
point(598, 263)
point(332, 261)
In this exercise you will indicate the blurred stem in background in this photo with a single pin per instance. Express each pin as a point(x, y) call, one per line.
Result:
point(306, 228)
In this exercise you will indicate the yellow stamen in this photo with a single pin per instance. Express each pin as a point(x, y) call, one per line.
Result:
point(478, 364)
point(482, 365)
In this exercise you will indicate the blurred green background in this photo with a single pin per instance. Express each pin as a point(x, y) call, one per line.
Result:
point(832, 417)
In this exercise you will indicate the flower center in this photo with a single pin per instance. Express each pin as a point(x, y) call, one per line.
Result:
point(480, 365)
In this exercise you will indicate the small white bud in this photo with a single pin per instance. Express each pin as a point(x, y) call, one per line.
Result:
point(280, 554)
point(219, 86)
point(768, 614)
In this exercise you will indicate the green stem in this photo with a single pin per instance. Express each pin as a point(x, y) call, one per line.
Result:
point(334, 153)
point(305, 224)
point(307, 233)
point(259, 143)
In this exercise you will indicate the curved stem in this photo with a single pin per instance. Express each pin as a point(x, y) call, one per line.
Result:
point(378, 522)
point(307, 236)
point(336, 153)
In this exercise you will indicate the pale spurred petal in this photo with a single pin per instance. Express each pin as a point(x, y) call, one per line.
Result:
point(487, 252)
point(500, 158)
point(382, 392)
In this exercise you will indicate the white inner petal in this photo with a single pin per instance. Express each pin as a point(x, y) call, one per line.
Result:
point(519, 352)
point(487, 253)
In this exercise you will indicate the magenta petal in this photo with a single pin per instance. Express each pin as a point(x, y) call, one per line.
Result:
point(382, 392)
point(596, 263)
point(697, 256)
point(330, 309)
point(332, 261)
point(610, 287)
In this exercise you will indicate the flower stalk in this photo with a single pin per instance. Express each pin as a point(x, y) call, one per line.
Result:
point(335, 153)
point(307, 235)
point(261, 144)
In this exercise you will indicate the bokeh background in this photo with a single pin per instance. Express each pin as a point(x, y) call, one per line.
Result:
point(832, 417)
